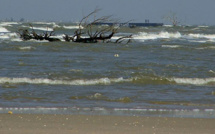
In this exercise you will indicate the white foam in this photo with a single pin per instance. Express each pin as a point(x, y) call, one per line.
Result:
point(168, 25)
point(61, 82)
point(8, 36)
point(33, 40)
point(206, 36)
point(203, 26)
point(72, 27)
point(26, 48)
point(8, 23)
point(3, 30)
point(199, 41)
point(193, 81)
point(153, 36)
point(60, 36)
point(45, 23)
point(209, 47)
point(197, 37)
point(16, 39)
point(41, 28)
point(44, 28)
point(171, 46)
point(56, 26)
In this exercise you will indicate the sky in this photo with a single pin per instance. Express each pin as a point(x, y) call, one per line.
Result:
point(188, 12)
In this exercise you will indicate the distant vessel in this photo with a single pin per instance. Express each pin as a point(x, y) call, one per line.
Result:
point(132, 25)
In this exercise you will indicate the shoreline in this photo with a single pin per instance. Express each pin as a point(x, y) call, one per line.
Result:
point(151, 112)
point(102, 124)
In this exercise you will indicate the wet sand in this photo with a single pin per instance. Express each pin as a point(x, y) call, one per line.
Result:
point(88, 124)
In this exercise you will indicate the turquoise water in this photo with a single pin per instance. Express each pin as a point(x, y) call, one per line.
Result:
point(164, 70)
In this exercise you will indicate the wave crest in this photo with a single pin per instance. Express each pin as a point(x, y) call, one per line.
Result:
point(194, 81)
point(61, 82)
point(150, 80)
point(160, 35)
point(164, 80)
point(106, 81)
point(3, 30)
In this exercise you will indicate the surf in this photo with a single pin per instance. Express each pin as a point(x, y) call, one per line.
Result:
point(24, 80)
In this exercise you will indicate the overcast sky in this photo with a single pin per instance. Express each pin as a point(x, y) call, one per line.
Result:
point(189, 12)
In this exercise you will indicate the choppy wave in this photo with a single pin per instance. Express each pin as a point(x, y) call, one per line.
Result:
point(26, 48)
point(160, 35)
point(194, 81)
point(171, 46)
point(174, 80)
point(8, 23)
point(206, 47)
point(72, 27)
point(199, 36)
point(168, 25)
point(44, 23)
point(9, 37)
point(203, 26)
point(105, 81)
point(41, 28)
point(15, 37)
point(61, 82)
point(155, 34)
point(192, 37)
point(44, 28)
point(3, 30)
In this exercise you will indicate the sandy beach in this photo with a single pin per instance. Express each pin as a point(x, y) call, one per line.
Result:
point(90, 124)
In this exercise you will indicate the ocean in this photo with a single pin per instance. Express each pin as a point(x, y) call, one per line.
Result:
point(163, 71)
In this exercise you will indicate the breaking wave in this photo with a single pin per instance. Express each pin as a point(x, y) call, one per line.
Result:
point(8, 23)
point(10, 37)
point(155, 80)
point(3, 30)
point(44, 28)
point(26, 48)
point(192, 37)
point(44, 23)
point(163, 34)
point(160, 35)
point(200, 36)
point(174, 80)
point(72, 27)
point(194, 81)
point(171, 46)
point(61, 82)
point(41, 28)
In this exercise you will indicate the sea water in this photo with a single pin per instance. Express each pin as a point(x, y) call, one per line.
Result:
point(163, 71)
